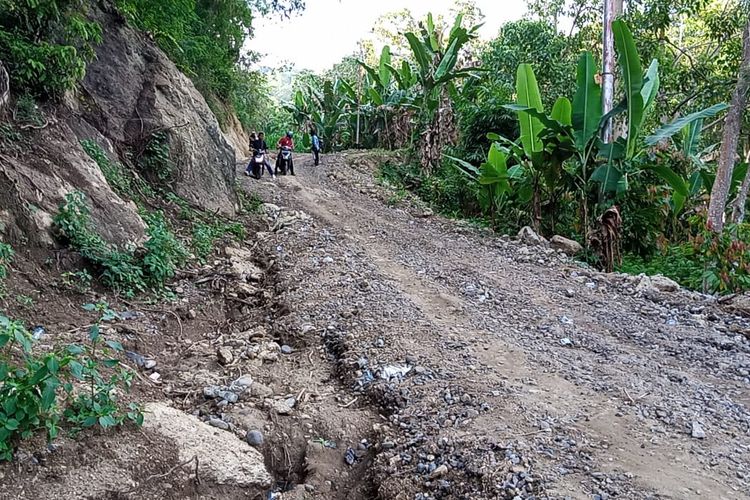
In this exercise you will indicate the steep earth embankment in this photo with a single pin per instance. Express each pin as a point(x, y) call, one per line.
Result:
point(130, 92)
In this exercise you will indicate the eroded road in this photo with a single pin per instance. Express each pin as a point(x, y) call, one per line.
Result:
point(506, 371)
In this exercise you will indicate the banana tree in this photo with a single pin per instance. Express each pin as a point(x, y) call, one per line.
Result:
point(388, 90)
point(437, 57)
point(326, 110)
point(493, 176)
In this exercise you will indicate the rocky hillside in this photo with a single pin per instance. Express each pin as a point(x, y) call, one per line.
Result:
point(132, 102)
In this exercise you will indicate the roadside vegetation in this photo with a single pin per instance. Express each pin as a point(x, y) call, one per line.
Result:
point(513, 132)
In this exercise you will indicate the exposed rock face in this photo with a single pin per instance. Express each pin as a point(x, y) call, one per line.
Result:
point(34, 184)
point(130, 91)
point(133, 89)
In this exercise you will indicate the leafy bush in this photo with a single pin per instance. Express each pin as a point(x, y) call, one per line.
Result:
point(97, 404)
point(155, 161)
point(122, 269)
point(164, 253)
point(205, 236)
point(78, 280)
point(45, 44)
point(250, 202)
point(727, 258)
point(6, 257)
point(678, 262)
point(38, 391)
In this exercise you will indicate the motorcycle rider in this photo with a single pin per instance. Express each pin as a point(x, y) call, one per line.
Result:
point(285, 142)
point(249, 168)
point(259, 144)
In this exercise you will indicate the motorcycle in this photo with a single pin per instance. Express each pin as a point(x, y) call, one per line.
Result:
point(256, 164)
point(285, 160)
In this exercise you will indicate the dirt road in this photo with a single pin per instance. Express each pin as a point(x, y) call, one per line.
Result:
point(501, 370)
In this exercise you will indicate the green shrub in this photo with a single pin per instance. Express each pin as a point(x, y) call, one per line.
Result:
point(678, 262)
point(155, 162)
point(164, 253)
point(96, 403)
point(6, 257)
point(45, 44)
point(205, 236)
point(122, 269)
point(38, 391)
point(711, 263)
point(78, 280)
point(250, 202)
point(726, 258)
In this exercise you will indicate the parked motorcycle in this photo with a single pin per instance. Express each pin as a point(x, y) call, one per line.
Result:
point(256, 164)
point(285, 161)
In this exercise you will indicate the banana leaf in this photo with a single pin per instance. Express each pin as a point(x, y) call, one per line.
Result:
point(562, 111)
point(632, 77)
point(675, 126)
point(587, 102)
point(650, 85)
point(527, 92)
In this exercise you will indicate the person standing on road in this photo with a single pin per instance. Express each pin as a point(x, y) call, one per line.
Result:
point(315, 147)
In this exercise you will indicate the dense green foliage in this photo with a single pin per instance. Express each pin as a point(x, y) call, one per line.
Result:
point(45, 44)
point(124, 270)
point(75, 387)
point(528, 105)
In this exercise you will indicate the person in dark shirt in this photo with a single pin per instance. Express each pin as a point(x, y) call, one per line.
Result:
point(259, 144)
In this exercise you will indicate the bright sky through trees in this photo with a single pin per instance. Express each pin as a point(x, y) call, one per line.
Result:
point(329, 29)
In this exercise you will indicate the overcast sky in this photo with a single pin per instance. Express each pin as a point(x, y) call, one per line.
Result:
point(329, 29)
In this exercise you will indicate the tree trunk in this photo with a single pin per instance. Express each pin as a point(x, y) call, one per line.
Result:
point(612, 8)
point(739, 203)
point(4, 88)
point(730, 139)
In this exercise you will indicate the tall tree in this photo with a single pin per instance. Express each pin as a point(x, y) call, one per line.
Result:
point(730, 139)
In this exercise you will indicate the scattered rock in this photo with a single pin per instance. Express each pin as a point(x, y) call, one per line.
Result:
point(219, 423)
point(225, 355)
point(254, 438)
point(568, 246)
point(439, 472)
point(657, 283)
point(244, 382)
point(528, 236)
point(259, 390)
point(280, 407)
point(697, 431)
point(242, 267)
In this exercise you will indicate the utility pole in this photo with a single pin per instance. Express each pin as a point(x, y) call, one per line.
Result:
point(359, 93)
point(612, 9)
